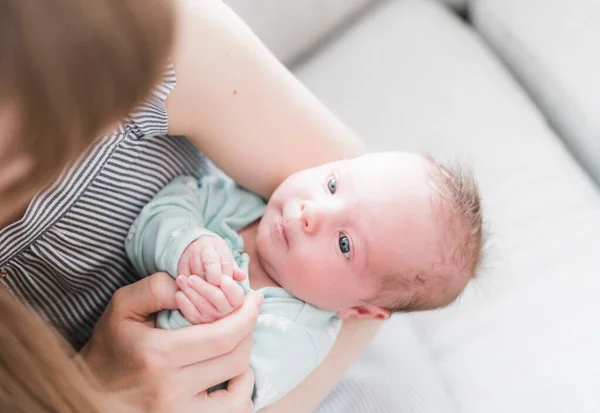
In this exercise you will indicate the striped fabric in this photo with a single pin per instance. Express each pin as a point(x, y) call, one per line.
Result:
point(66, 257)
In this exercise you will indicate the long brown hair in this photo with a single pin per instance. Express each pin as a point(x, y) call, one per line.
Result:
point(71, 68)
point(38, 371)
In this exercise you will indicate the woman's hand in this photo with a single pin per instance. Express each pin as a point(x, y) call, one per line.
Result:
point(145, 369)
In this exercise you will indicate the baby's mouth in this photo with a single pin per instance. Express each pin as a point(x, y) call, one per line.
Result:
point(281, 230)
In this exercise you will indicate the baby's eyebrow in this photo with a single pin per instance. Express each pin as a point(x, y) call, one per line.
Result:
point(344, 177)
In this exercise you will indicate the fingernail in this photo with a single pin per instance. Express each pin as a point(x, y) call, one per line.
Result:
point(261, 299)
point(181, 280)
point(193, 280)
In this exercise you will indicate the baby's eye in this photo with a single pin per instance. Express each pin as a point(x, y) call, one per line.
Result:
point(344, 244)
point(332, 184)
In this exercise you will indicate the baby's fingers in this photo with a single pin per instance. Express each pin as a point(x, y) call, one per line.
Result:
point(212, 265)
point(205, 311)
point(188, 310)
point(227, 262)
point(184, 266)
point(238, 273)
point(214, 295)
point(196, 266)
point(233, 292)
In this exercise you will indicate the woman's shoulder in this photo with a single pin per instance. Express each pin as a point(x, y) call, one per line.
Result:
point(150, 117)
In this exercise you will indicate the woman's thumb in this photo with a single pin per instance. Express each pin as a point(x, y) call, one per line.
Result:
point(146, 297)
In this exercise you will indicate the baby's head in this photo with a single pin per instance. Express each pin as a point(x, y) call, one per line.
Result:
point(380, 233)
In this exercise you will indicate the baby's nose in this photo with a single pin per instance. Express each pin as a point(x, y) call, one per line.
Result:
point(310, 215)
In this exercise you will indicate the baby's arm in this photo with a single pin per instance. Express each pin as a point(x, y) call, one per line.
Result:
point(169, 235)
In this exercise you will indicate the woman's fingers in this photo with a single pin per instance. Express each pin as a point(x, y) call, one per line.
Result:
point(201, 342)
point(237, 396)
point(242, 384)
point(149, 295)
point(218, 369)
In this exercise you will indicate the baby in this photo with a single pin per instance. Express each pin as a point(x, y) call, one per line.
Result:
point(359, 238)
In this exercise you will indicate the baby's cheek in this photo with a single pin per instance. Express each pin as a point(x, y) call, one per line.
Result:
point(307, 288)
point(300, 275)
point(261, 239)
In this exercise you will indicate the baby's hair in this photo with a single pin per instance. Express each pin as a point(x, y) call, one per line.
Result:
point(458, 207)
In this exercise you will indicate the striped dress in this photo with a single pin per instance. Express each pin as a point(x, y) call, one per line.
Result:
point(65, 257)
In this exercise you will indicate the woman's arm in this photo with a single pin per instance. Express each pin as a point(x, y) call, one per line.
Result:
point(243, 108)
point(353, 338)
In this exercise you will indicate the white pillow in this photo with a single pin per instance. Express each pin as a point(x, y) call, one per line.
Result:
point(291, 28)
point(552, 47)
point(460, 5)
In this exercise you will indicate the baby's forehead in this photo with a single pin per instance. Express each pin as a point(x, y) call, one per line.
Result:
point(387, 175)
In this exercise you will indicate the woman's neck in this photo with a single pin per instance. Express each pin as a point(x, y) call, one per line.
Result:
point(257, 276)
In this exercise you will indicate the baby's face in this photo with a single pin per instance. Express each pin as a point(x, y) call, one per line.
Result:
point(329, 233)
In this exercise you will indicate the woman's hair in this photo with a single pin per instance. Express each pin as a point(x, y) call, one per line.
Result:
point(38, 371)
point(71, 68)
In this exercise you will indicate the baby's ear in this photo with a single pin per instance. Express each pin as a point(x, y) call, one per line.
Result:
point(364, 312)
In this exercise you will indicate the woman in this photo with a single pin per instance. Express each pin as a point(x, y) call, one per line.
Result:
point(68, 72)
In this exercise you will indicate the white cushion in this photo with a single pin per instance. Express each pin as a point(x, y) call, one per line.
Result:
point(291, 28)
point(460, 5)
point(524, 337)
point(553, 48)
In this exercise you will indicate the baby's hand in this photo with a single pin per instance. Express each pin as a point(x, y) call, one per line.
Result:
point(209, 257)
point(208, 290)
